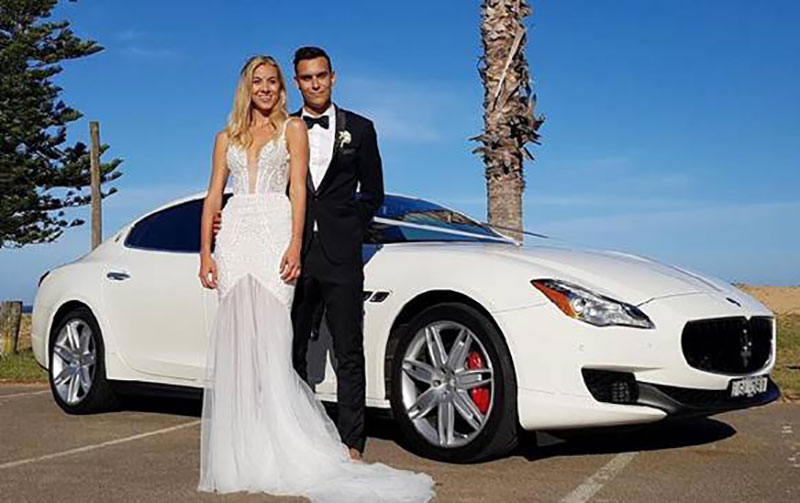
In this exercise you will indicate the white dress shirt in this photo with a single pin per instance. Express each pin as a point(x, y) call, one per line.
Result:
point(320, 145)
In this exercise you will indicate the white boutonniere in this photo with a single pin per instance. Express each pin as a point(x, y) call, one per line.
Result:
point(344, 138)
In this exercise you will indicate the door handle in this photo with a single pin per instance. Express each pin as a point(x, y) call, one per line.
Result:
point(118, 276)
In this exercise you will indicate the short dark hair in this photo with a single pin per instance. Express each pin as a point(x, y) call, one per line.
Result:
point(311, 52)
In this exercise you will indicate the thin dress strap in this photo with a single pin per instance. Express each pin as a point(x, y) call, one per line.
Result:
point(283, 132)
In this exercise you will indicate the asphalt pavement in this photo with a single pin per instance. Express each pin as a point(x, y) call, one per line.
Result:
point(150, 453)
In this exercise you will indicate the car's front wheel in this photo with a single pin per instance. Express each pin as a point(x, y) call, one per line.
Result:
point(77, 370)
point(453, 388)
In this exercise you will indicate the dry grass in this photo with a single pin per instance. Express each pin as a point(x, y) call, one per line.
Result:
point(785, 303)
point(22, 367)
point(787, 366)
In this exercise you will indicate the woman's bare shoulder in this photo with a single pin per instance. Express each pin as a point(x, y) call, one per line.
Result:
point(295, 124)
point(221, 136)
point(296, 132)
point(221, 141)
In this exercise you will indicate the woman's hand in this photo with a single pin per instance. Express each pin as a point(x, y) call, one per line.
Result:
point(290, 263)
point(208, 272)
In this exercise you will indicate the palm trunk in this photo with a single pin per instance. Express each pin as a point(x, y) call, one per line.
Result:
point(504, 208)
point(509, 104)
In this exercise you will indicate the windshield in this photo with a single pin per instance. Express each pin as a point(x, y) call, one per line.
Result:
point(423, 221)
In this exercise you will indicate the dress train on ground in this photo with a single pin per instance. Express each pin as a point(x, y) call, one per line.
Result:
point(263, 430)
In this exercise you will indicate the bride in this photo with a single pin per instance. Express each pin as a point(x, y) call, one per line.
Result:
point(263, 429)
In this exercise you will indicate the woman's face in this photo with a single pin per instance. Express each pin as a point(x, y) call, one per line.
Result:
point(265, 88)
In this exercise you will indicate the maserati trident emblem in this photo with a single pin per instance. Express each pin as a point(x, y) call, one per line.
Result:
point(747, 347)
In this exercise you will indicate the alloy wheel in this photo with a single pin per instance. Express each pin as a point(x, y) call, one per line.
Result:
point(438, 384)
point(74, 361)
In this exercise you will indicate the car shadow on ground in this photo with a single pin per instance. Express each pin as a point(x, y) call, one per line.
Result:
point(664, 435)
point(378, 422)
point(189, 407)
point(669, 434)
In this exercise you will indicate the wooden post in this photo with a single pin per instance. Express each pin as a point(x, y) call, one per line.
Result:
point(10, 319)
point(97, 218)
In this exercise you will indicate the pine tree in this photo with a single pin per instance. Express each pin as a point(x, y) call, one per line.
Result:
point(39, 175)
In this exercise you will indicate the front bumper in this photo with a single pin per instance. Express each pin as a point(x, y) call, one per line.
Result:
point(687, 402)
point(641, 403)
point(622, 388)
point(551, 351)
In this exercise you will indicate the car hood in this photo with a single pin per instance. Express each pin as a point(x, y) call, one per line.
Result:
point(622, 276)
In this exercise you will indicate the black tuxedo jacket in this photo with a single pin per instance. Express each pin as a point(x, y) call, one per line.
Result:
point(342, 218)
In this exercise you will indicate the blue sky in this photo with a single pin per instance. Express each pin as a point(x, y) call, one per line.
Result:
point(672, 126)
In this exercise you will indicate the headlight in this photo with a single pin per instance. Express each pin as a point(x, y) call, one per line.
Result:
point(593, 308)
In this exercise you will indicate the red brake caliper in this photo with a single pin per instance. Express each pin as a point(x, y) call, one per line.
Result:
point(479, 395)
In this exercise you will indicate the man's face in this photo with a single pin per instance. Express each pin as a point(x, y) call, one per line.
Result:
point(315, 80)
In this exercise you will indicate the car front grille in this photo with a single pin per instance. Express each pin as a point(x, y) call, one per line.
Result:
point(733, 345)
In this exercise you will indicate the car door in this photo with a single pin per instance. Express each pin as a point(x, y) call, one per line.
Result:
point(154, 299)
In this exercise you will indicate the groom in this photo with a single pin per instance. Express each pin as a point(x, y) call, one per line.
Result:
point(343, 155)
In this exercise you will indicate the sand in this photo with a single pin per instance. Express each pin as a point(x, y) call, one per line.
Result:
point(780, 299)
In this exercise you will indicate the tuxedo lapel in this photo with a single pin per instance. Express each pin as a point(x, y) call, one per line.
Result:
point(341, 125)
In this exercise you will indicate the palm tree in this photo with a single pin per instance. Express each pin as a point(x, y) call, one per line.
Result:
point(509, 106)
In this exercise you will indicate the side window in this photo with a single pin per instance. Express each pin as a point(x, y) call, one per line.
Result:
point(174, 229)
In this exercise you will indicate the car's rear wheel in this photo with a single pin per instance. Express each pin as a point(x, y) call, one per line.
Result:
point(77, 368)
point(453, 388)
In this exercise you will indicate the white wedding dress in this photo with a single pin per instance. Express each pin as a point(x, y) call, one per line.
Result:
point(263, 430)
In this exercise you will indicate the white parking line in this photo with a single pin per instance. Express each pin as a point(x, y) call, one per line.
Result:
point(3, 397)
point(794, 459)
point(591, 485)
point(86, 448)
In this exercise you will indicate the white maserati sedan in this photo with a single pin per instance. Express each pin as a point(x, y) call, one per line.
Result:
point(470, 337)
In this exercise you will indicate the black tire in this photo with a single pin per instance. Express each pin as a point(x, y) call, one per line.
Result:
point(100, 397)
point(499, 434)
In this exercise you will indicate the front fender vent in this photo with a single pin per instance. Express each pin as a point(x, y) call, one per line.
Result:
point(610, 386)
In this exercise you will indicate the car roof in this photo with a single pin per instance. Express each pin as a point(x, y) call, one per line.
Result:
point(201, 195)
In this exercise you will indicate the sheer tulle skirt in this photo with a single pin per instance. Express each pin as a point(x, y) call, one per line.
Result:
point(263, 430)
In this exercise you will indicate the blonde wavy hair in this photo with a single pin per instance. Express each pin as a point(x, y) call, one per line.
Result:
point(242, 112)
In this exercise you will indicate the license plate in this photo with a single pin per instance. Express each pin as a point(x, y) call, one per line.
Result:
point(748, 386)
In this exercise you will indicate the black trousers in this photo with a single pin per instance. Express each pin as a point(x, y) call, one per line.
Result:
point(340, 288)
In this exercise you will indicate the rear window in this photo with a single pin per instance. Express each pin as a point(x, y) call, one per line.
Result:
point(174, 229)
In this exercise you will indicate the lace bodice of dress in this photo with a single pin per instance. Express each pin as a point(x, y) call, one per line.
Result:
point(270, 172)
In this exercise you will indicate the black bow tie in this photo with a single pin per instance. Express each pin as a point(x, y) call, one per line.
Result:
point(323, 122)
